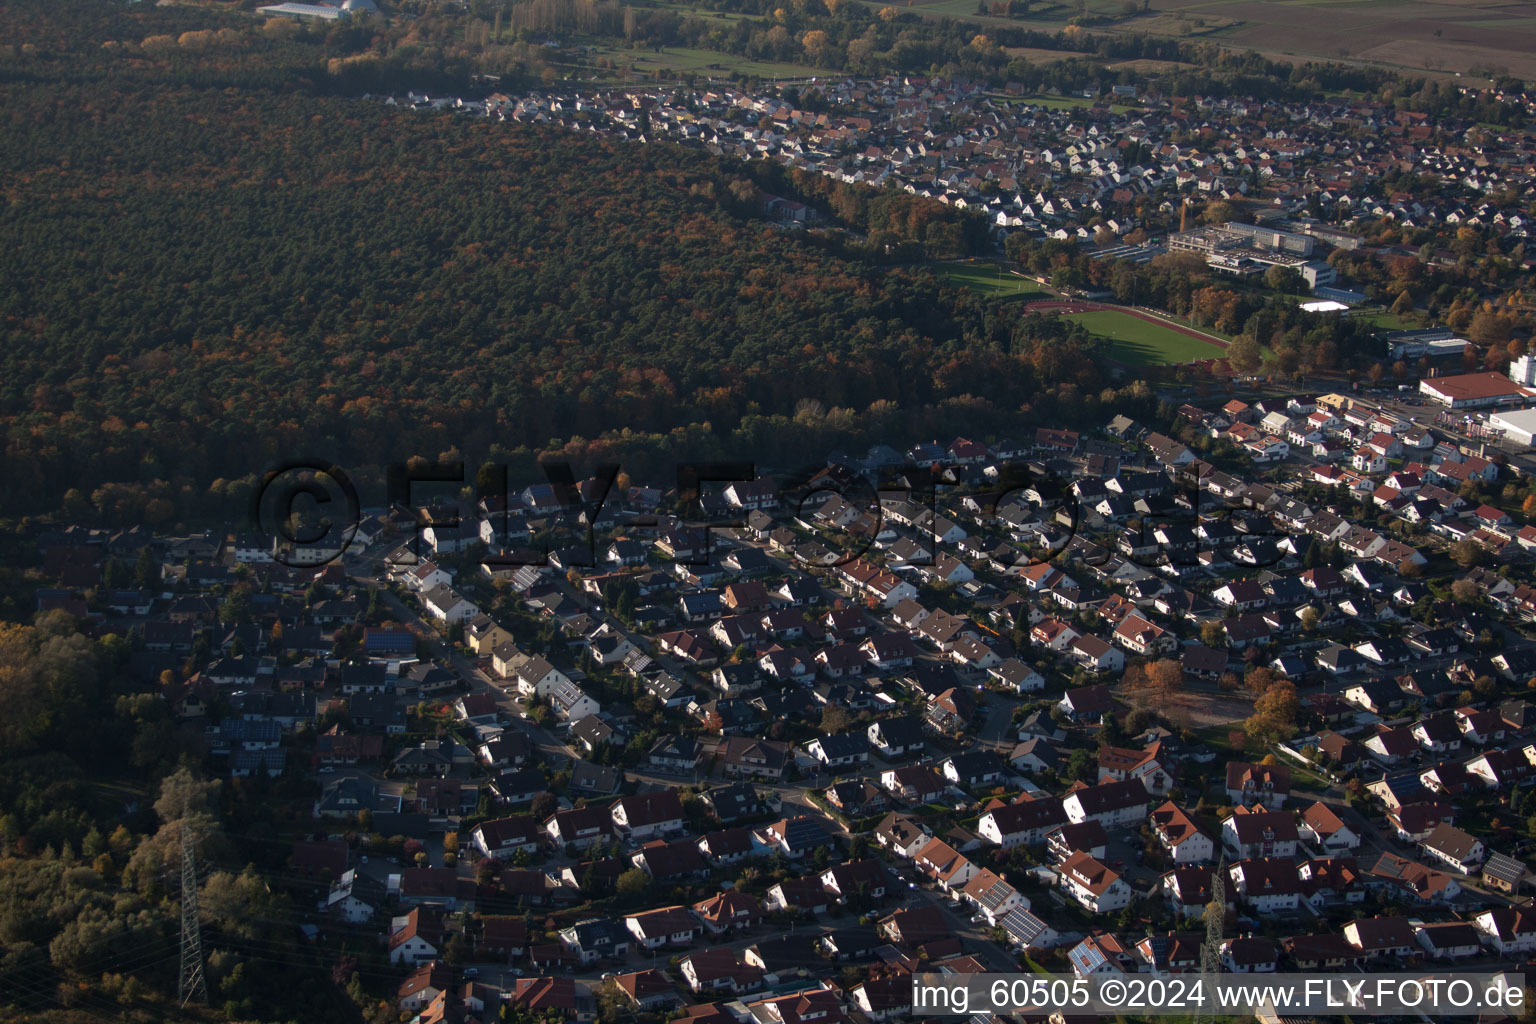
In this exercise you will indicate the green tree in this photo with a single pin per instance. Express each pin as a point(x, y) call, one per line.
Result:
point(1314, 554)
point(632, 882)
point(146, 571)
point(1081, 766)
point(1284, 279)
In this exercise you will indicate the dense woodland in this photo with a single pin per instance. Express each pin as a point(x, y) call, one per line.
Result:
point(203, 280)
point(94, 790)
point(220, 255)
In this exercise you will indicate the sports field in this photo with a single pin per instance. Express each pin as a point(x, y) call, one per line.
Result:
point(1138, 342)
point(984, 278)
point(1385, 320)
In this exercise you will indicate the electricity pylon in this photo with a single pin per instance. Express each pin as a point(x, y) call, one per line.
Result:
point(191, 986)
point(1210, 950)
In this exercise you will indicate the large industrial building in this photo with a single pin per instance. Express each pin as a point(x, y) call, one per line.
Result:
point(322, 11)
point(1519, 425)
point(1475, 391)
point(1523, 370)
point(1433, 342)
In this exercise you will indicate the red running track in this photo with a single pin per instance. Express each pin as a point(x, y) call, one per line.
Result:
point(1069, 306)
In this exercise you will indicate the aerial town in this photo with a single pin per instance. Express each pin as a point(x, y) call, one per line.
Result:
point(1071, 170)
point(1038, 705)
point(531, 511)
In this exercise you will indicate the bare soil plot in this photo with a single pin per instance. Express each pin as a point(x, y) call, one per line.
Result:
point(1038, 56)
point(1453, 35)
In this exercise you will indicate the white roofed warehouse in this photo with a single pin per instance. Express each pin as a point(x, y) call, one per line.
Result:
point(1519, 425)
point(323, 11)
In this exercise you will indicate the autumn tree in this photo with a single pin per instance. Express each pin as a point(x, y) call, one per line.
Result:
point(242, 904)
point(1468, 553)
point(1259, 678)
point(1490, 328)
point(1134, 677)
point(1219, 212)
point(1274, 713)
point(48, 673)
point(183, 794)
point(1244, 354)
point(1165, 678)
point(835, 719)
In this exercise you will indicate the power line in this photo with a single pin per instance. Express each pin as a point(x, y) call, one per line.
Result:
point(90, 1003)
point(191, 984)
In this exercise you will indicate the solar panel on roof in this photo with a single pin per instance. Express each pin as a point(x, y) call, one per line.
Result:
point(1504, 868)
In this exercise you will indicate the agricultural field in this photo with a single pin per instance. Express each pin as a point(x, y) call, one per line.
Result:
point(1137, 342)
point(1150, 67)
point(1436, 35)
point(984, 278)
point(1463, 37)
point(685, 60)
point(1038, 56)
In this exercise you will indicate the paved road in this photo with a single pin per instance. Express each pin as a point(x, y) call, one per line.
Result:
point(997, 728)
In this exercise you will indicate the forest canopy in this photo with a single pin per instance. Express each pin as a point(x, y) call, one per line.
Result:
point(200, 282)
